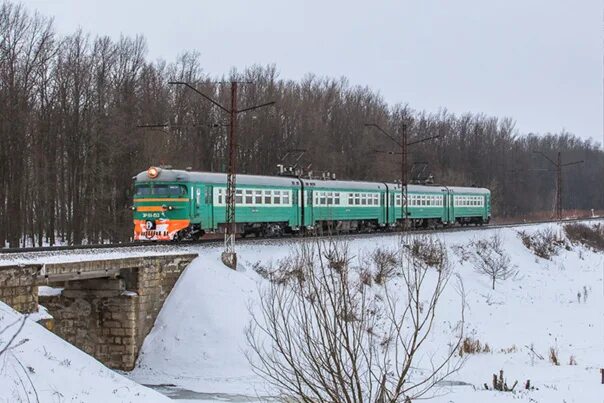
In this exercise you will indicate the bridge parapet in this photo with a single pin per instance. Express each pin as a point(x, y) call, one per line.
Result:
point(18, 287)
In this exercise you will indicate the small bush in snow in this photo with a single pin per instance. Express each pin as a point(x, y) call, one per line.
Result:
point(543, 243)
point(386, 264)
point(553, 356)
point(365, 277)
point(261, 270)
point(428, 251)
point(591, 236)
point(500, 384)
point(286, 270)
point(471, 346)
point(492, 260)
point(463, 251)
point(509, 350)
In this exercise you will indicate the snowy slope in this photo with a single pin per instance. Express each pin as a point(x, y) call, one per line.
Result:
point(58, 371)
point(198, 342)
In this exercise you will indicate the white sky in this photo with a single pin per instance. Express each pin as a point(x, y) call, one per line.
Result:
point(537, 61)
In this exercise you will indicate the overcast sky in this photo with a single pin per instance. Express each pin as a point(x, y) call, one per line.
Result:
point(537, 61)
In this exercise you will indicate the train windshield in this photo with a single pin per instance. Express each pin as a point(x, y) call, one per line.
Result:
point(161, 190)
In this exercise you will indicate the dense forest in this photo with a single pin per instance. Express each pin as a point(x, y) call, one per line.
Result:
point(70, 144)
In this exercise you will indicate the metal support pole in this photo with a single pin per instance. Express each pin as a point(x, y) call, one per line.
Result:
point(404, 201)
point(229, 257)
point(559, 188)
point(403, 144)
point(558, 165)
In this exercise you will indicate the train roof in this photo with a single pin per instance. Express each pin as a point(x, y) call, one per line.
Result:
point(460, 189)
point(440, 188)
point(175, 175)
point(335, 184)
point(418, 188)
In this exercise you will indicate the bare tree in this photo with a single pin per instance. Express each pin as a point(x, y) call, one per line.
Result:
point(69, 107)
point(492, 260)
point(8, 342)
point(327, 335)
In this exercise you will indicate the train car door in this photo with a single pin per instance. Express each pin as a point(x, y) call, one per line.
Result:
point(451, 209)
point(295, 210)
point(308, 207)
point(391, 219)
point(445, 214)
point(207, 208)
point(195, 201)
point(384, 207)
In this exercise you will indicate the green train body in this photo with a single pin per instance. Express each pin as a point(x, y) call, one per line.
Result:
point(173, 204)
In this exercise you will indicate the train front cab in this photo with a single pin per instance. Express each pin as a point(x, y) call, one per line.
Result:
point(161, 206)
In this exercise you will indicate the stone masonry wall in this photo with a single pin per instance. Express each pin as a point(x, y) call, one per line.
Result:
point(109, 318)
point(98, 317)
point(18, 287)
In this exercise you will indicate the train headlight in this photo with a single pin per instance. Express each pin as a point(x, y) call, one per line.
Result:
point(170, 208)
point(153, 172)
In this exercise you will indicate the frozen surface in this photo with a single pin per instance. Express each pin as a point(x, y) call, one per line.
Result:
point(58, 371)
point(198, 341)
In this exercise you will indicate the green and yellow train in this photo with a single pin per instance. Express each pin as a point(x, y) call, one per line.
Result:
point(173, 204)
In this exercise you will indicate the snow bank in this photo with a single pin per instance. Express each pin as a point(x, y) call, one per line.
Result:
point(39, 366)
point(198, 341)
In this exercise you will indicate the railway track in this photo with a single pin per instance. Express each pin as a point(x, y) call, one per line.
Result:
point(10, 251)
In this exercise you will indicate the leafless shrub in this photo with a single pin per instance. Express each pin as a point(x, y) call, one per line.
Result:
point(509, 350)
point(472, 346)
point(533, 354)
point(285, 270)
point(500, 384)
point(7, 346)
point(262, 270)
point(365, 277)
point(553, 356)
point(386, 264)
point(543, 243)
point(463, 252)
point(427, 251)
point(327, 339)
point(591, 236)
point(492, 260)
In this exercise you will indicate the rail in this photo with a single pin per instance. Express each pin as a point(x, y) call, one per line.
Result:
point(247, 240)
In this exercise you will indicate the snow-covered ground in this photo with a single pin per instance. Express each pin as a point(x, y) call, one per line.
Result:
point(198, 341)
point(37, 366)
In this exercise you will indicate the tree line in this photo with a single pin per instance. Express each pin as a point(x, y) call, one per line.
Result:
point(70, 141)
